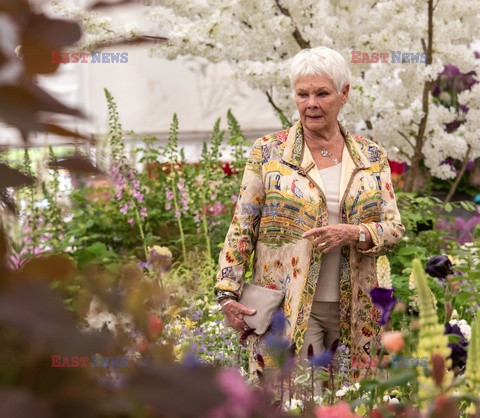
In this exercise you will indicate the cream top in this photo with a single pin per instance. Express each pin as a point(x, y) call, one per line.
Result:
point(328, 287)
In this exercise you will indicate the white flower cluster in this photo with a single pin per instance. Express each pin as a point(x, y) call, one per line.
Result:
point(386, 99)
point(465, 329)
point(383, 272)
point(98, 318)
point(346, 389)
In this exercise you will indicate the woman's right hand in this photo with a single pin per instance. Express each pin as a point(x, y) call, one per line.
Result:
point(234, 313)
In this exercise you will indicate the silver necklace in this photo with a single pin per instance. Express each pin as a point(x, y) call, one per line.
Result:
point(328, 154)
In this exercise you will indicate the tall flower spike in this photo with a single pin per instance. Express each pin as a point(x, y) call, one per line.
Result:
point(472, 371)
point(431, 341)
point(383, 272)
point(414, 295)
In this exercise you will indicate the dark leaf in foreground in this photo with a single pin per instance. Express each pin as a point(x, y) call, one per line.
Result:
point(48, 268)
point(43, 35)
point(20, 105)
point(165, 389)
point(334, 345)
point(60, 131)
point(19, 403)
point(7, 200)
point(75, 164)
point(37, 313)
point(310, 352)
point(9, 177)
point(243, 338)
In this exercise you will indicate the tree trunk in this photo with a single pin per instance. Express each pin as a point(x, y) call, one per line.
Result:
point(413, 171)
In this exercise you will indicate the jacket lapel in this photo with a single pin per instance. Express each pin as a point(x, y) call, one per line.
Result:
point(297, 154)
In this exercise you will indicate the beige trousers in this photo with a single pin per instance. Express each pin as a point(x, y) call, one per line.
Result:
point(323, 328)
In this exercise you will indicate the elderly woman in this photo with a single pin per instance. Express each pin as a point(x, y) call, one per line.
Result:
point(334, 214)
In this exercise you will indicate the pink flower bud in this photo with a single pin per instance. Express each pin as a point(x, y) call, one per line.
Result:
point(393, 341)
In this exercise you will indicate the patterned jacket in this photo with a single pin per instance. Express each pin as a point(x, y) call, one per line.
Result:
point(281, 197)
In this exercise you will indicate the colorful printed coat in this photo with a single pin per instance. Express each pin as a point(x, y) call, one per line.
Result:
point(281, 197)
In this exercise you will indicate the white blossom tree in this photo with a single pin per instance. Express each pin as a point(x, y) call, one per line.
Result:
point(389, 102)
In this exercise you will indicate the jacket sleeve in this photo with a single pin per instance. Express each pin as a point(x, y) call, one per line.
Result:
point(242, 234)
point(388, 231)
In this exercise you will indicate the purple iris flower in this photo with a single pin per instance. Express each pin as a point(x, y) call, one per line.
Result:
point(439, 266)
point(324, 358)
point(275, 340)
point(384, 300)
point(459, 348)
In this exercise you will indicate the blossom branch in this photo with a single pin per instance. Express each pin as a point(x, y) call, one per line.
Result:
point(427, 87)
point(302, 43)
point(459, 175)
point(279, 111)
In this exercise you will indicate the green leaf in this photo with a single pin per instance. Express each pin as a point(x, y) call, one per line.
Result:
point(368, 385)
point(398, 380)
point(453, 338)
point(475, 275)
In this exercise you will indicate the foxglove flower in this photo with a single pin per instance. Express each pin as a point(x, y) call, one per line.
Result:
point(385, 301)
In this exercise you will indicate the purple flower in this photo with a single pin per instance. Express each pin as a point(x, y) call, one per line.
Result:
point(278, 322)
point(385, 301)
point(118, 193)
point(322, 360)
point(144, 264)
point(124, 209)
point(169, 194)
point(190, 360)
point(459, 349)
point(143, 213)
point(439, 266)
point(131, 222)
point(137, 195)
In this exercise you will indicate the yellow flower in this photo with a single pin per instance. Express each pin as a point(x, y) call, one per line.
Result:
point(173, 310)
point(160, 250)
point(189, 323)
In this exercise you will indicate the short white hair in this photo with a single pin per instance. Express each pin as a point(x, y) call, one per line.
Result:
point(321, 61)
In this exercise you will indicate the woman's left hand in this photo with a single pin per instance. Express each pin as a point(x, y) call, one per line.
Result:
point(331, 237)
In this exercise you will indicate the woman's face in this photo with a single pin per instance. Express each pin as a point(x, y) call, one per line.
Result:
point(318, 102)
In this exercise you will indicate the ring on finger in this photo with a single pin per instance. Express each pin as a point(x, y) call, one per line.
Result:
point(323, 244)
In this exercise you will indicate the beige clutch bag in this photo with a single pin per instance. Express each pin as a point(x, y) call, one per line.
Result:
point(265, 301)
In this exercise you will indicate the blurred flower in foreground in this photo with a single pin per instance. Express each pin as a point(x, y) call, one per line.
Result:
point(385, 301)
point(439, 266)
point(324, 358)
point(240, 400)
point(393, 341)
point(160, 259)
point(341, 410)
point(275, 340)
